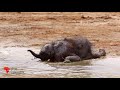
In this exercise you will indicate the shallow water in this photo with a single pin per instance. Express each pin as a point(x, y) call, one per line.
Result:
point(22, 62)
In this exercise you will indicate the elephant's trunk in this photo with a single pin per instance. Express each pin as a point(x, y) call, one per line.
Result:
point(34, 54)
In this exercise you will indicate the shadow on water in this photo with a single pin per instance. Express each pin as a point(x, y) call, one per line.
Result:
point(21, 63)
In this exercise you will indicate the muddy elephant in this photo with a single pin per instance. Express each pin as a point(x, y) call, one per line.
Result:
point(73, 49)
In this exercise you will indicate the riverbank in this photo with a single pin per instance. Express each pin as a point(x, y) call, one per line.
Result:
point(34, 29)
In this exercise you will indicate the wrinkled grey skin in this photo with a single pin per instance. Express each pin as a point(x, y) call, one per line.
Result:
point(74, 49)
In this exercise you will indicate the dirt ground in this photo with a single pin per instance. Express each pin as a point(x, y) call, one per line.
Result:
point(34, 29)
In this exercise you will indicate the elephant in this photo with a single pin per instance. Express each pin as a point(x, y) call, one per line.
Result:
point(73, 49)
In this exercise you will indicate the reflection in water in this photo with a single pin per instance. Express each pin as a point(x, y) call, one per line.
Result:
point(22, 61)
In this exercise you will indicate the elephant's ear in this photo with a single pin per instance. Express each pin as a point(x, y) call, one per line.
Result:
point(52, 50)
point(80, 46)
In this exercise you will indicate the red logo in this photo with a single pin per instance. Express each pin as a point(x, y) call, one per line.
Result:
point(6, 69)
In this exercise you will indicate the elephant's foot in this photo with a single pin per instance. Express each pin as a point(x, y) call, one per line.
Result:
point(102, 52)
point(99, 54)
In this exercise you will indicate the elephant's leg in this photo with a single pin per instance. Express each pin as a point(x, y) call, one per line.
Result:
point(72, 59)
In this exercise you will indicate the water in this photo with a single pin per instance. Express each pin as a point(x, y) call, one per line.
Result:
point(22, 62)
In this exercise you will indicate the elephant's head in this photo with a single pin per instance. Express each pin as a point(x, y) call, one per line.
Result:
point(46, 52)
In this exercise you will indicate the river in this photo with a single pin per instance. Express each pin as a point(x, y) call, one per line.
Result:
point(22, 62)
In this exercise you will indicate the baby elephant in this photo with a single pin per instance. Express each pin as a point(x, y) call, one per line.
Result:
point(68, 49)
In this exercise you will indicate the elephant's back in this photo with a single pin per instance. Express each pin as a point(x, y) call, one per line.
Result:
point(63, 47)
point(82, 46)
